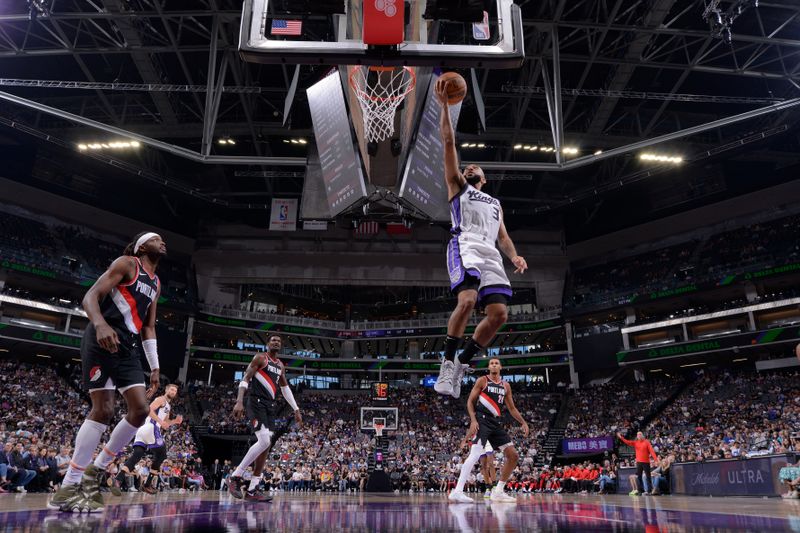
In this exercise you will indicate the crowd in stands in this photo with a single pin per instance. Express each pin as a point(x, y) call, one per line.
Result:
point(752, 247)
point(727, 414)
point(40, 412)
point(714, 415)
point(615, 282)
point(331, 449)
point(612, 407)
point(69, 252)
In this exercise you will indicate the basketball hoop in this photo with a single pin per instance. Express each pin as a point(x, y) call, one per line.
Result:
point(378, 424)
point(380, 90)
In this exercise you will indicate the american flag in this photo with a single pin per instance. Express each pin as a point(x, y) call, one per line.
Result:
point(286, 27)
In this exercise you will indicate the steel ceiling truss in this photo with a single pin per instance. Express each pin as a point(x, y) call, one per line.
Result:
point(595, 47)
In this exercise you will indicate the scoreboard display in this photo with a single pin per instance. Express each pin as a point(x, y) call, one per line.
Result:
point(380, 391)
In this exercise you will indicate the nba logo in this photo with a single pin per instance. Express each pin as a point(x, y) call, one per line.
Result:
point(480, 30)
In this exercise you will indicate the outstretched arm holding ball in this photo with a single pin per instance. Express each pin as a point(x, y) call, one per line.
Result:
point(452, 174)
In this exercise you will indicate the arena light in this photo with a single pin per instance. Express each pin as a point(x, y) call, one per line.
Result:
point(517, 147)
point(739, 360)
point(598, 152)
point(692, 364)
point(112, 145)
point(569, 150)
point(661, 158)
point(6, 349)
point(43, 356)
point(226, 140)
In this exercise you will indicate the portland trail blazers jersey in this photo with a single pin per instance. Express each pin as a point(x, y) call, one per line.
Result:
point(264, 385)
point(476, 213)
point(126, 305)
point(492, 397)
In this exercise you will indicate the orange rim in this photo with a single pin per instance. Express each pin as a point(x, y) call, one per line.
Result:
point(363, 93)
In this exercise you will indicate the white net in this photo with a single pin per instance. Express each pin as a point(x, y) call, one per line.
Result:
point(379, 91)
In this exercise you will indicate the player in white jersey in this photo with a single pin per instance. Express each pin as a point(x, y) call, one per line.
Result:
point(487, 469)
point(474, 263)
point(149, 438)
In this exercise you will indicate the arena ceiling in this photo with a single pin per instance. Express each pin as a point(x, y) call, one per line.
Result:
point(627, 70)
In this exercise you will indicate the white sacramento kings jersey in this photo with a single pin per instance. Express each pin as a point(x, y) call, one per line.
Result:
point(472, 250)
point(163, 411)
point(149, 435)
point(476, 213)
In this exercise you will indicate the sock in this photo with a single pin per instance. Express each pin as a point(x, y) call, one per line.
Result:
point(122, 434)
point(450, 347)
point(86, 442)
point(471, 349)
point(254, 483)
point(500, 486)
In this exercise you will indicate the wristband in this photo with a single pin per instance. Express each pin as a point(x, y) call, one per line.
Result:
point(243, 384)
point(150, 348)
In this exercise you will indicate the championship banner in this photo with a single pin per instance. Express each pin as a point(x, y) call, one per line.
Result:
point(283, 216)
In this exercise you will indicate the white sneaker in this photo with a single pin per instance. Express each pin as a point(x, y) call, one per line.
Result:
point(487, 495)
point(458, 374)
point(132, 489)
point(501, 497)
point(444, 383)
point(458, 496)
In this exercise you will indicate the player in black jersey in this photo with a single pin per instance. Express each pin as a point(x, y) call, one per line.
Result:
point(265, 373)
point(490, 393)
point(121, 306)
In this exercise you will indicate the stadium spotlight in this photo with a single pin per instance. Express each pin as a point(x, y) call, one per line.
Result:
point(112, 145)
point(660, 158)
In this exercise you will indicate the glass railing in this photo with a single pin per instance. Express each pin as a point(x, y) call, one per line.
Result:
point(433, 320)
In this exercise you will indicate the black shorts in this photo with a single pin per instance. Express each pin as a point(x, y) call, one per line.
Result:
point(261, 413)
point(109, 371)
point(490, 429)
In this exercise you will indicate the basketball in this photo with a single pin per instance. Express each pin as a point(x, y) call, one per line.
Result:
point(456, 87)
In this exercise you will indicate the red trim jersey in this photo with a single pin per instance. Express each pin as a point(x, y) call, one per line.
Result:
point(264, 384)
point(492, 397)
point(127, 304)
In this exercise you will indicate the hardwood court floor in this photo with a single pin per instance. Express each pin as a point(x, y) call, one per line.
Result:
point(215, 511)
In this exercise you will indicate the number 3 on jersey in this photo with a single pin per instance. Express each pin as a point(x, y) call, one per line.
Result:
point(496, 213)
